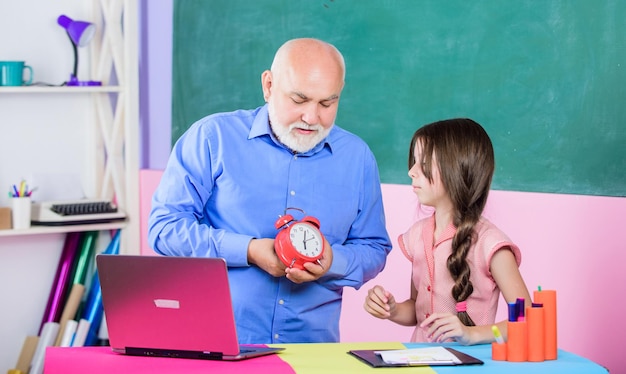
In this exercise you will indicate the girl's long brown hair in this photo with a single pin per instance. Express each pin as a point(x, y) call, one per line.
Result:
point(465, 159)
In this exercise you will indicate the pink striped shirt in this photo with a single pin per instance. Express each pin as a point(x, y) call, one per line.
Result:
point(433, 280)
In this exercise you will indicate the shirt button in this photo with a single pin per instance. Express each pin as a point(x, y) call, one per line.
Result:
point(292, 193)
point(281, 302)
point(427, 315)
point(428, 288)
point(276, 336)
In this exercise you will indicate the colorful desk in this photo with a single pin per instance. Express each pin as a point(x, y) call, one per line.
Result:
point(297, 358)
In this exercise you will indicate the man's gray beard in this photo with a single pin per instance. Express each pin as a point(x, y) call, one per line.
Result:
point(301, 144)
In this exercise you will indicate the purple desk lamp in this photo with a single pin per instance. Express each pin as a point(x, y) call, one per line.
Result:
point(80, 34)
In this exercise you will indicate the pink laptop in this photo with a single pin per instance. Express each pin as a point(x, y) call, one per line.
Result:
point(170, 307)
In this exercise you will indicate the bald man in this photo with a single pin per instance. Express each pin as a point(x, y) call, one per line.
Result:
point(231, 175)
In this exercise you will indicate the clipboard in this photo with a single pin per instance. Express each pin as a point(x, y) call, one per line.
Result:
point(370, 357)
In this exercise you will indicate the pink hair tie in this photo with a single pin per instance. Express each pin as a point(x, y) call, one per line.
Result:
point(461, 307)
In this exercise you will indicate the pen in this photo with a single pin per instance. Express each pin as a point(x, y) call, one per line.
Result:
point(512, 311)
point(17, 193)
point(497, 335)
point(520, 310)
point(30, 192)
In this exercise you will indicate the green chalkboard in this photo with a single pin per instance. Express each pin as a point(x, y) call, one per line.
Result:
point(547, 79)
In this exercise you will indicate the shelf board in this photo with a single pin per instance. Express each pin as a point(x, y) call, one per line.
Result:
point(34, 230)
point(59, 89)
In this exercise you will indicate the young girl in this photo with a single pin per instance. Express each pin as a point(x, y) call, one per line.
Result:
point(461, 261)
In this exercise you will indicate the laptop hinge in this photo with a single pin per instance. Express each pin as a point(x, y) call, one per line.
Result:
point(133, 351)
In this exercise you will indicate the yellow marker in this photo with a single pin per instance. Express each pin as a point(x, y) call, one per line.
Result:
point(497, 335)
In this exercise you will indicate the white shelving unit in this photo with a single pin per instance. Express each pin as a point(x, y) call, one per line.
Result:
point(112, 136)
point(78, 138)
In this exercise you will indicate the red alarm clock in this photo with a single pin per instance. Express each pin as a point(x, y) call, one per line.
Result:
point(298, 242)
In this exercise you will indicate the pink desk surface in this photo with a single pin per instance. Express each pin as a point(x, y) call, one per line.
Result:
point(101, 360)
point(296, 358)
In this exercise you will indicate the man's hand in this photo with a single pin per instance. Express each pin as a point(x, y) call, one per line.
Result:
point(312, 270)
point(262, 254)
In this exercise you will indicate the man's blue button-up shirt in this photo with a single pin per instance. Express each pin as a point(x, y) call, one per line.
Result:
point(228, 180)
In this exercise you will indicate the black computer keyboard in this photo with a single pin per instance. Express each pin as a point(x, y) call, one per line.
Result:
point(74, 212)
point(94, 207)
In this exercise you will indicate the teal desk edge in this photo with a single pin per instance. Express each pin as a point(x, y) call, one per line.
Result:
point(565, 363)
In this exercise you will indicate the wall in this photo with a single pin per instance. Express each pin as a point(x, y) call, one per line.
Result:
point(155, 74)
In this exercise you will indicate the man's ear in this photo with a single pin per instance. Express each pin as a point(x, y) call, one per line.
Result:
point(266, 84)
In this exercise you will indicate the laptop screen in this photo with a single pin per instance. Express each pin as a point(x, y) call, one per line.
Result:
point(167, 303)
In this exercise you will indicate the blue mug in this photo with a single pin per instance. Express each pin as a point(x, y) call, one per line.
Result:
point(12, 73)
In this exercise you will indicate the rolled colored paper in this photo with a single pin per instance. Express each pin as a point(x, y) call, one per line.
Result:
point(70, 309)
point(517, 342)
point(81, 333)
point(27, 353)
point(46, 339)
point(60, 285)
point(114, 247)
point(85, 256)
point(536, 334)
point(93, 311)
point(548, 299)
point(68, 333)
point(93, 307)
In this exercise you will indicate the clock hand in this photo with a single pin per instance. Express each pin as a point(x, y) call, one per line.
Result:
point(304, 241)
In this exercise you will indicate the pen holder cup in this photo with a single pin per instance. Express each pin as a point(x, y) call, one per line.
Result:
point(548, 299)
point(517, 343)
point(498, 351)
point(20, 212)
point(536, 334)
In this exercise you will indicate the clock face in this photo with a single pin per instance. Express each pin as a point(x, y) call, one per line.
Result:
point(306, 239)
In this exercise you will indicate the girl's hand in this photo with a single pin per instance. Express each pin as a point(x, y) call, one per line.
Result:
point(380, 303)
point(441, 327)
